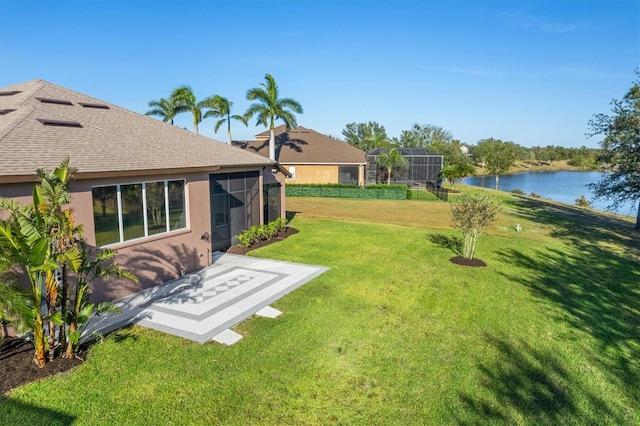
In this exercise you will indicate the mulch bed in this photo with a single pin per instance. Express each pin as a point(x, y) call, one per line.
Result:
point(467, 262)
point(17, 365)
point(281, 236)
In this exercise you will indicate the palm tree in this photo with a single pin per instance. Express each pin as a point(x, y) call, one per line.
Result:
point(14, 302)
point(390, 160)
point(184, 100)
point(269, 108)
point(163, 108)
point(220, 107)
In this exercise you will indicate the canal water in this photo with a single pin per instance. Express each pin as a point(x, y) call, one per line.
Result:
point(564, 186)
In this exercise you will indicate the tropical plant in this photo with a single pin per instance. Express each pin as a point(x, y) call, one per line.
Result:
point(50, 198)
point(184, 100)
point(163, 108)
point(93, 266)
point(620, 149)
point(42, 239)
point(391, 160)
point(472, 214)
point(270, 107)
point(220, 107)
point(14, 302)
point(21, 244)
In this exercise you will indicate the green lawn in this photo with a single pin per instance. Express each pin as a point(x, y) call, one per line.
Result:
point(394, 333)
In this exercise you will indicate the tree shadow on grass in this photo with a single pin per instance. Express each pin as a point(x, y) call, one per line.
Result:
point(452, 243)
point(592, 284)
point(524, 384)
point(14, 412)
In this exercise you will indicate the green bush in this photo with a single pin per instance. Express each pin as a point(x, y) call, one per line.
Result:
point(517, 192)
point(256, 233)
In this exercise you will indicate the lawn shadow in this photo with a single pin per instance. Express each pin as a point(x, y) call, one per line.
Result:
point(592, 284)
point(452, 243)
point(13, 411)
point(524, 384)
point(290, 215)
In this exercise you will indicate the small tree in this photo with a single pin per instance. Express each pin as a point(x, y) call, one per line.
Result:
point(472, 214)
point(452, 172)
point(391, 160)
point(499, 156)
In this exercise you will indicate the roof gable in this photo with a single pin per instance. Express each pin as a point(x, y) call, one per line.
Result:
point(302, 145)
point(37, 133)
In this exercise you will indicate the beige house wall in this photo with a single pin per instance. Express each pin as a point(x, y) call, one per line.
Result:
point(321, 173)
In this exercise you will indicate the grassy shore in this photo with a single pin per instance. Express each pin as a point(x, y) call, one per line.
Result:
point(522, 166)
point(394, 333)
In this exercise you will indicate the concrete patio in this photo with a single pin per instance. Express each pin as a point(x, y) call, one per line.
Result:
point(204, 305)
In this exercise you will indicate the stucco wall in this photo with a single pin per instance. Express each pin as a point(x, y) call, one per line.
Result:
point(314, 174)
point(320, 174)
point(154, 259)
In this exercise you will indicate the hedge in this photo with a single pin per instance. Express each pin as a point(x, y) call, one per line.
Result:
point(395, 192)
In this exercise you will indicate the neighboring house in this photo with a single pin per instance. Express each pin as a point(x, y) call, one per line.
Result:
point(163, 197)
point(311, 157)
point(422, 166)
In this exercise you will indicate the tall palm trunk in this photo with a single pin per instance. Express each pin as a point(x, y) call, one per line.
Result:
point(637, 226)
point(389, 175)
point(497, 180)
point(228, 130)
point(272, 143)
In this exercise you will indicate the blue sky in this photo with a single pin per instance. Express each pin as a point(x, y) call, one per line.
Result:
point(531, 72)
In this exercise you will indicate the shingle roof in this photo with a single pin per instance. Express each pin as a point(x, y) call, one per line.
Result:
point(106, 138)
point(302, 145)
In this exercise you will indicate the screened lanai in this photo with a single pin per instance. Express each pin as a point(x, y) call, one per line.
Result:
point(422, 166)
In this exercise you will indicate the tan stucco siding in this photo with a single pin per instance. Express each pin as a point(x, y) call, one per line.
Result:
point(321, 173)
point(314, 174)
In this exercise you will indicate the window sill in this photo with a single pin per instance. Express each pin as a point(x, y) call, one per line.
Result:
point(145, 240)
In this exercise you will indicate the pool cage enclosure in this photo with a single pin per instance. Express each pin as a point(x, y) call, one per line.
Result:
point(422, 167)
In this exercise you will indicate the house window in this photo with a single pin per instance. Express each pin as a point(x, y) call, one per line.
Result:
point(348, 174)
point(128, 212)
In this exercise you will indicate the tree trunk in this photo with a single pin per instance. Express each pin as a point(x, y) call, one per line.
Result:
point(497, 180)
point(229, 137)
point(70, 350)
point(272, 144)
point(5, 330)
point(637, 227)
point(388, 175)
point(51, 299)
point(62, 338)
point(195, 126)
point(39, 339)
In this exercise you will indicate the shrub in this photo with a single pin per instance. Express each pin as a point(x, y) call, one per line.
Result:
point(256, 233)
point(535, 195)
point(472, 214)
point(517, 192)
point(583, 202)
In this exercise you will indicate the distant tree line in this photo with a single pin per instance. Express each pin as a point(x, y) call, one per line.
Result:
point(493, 155)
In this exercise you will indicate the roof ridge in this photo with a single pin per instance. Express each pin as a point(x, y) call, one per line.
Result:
point(10, 127)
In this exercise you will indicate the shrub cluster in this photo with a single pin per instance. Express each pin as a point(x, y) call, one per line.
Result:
point(256, 233)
